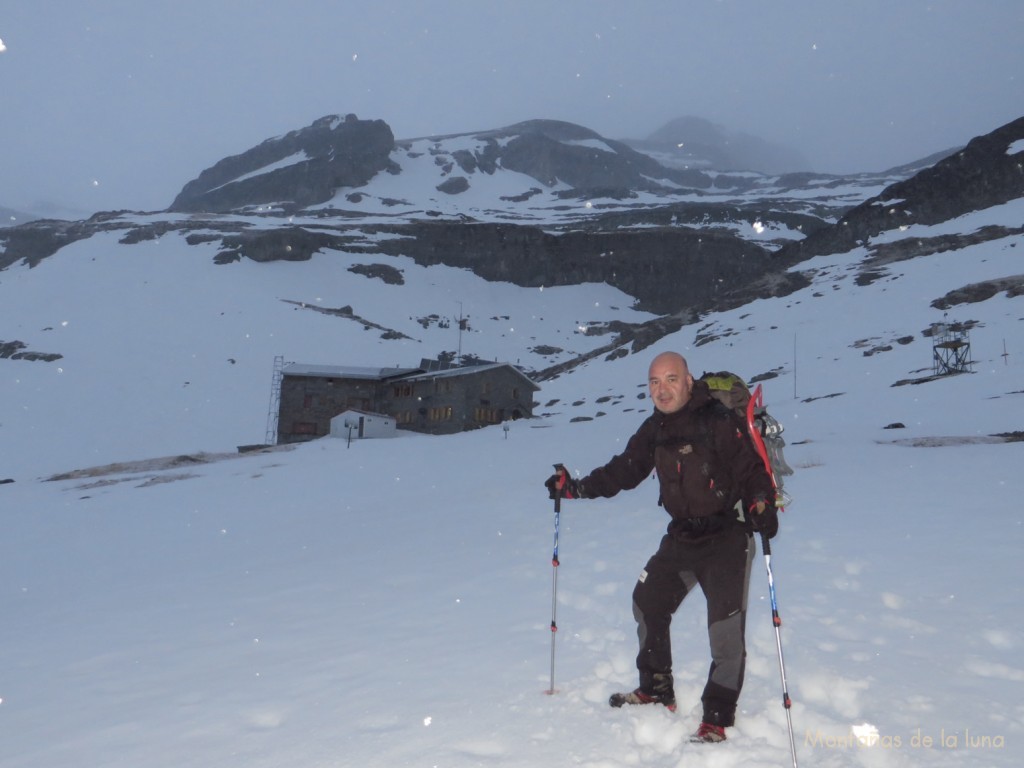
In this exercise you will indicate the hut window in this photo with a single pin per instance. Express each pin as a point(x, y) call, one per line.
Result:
point(441, 414)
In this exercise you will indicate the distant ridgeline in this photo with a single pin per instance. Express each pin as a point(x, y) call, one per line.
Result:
point(680, 241)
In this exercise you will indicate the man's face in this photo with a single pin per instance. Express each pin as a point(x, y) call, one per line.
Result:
point(670, 383)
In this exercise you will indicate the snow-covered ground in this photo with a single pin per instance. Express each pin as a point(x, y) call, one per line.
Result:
point(388, 603)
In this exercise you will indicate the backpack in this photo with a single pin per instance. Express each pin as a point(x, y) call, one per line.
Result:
point(732, 391)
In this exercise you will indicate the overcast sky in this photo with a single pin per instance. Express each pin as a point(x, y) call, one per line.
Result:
point(108, 104)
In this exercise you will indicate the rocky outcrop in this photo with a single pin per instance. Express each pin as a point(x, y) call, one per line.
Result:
point(907, 248)
point(969, 294)
point(984, 173)
point(16, 350)
point(453, 185)
point(552, 151)
point(665, 269)
point(302, 168)
point(32, 242)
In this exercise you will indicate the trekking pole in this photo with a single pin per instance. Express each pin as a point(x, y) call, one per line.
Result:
point(777, 622)
point(554, 579)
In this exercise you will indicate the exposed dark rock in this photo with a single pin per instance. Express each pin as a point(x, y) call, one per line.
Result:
point(822, 397)
point(546, 349)
point(466, 160)
point(869, 276)
point(348, 313)
point(979, 176)
point(15, 350)
point(876, 350)
point(34, 241)
point(453, 185)
point(522, 198)
point(384, 272)
point(969, 294)
point(328, 154)
point(284, 244)
point(552, 151)
point(913, 247)
point(664, 269)
point(923, 379)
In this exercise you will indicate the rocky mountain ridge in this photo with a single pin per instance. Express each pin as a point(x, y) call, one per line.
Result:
point(989, 171)
point(546, 203)
point(305, 166)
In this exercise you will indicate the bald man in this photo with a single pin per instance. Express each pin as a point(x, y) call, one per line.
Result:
point(717, 493)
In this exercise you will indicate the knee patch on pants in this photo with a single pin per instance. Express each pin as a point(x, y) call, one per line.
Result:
point(728, 652)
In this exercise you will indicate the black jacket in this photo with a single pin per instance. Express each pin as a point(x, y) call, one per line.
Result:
point(703, 457)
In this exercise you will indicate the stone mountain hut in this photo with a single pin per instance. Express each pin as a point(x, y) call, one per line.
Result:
point(433, 398)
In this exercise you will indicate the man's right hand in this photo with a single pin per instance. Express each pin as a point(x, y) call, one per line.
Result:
point(764, 518)
point(560, 485)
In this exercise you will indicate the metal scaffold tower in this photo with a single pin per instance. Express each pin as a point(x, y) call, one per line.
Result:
point(275, 401)
point(951, 350)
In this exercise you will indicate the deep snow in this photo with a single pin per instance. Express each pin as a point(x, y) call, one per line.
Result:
point(388, 603)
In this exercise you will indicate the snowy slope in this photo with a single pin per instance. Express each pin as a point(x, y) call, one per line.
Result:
point(184, 348)
point(388, 603)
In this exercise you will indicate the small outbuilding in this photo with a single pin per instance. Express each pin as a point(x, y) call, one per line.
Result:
point(354, 423)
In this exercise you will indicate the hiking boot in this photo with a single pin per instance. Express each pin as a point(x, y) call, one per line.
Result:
point(708, 734)
point(667, 699)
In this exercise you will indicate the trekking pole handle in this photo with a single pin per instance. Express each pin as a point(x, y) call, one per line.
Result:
point(564, 474)
point(558, 511)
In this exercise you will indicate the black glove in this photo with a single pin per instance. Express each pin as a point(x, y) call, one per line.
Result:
point(560, 485)
point(766, 522)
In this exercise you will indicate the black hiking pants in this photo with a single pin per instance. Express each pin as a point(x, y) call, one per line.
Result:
point(720, 565)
